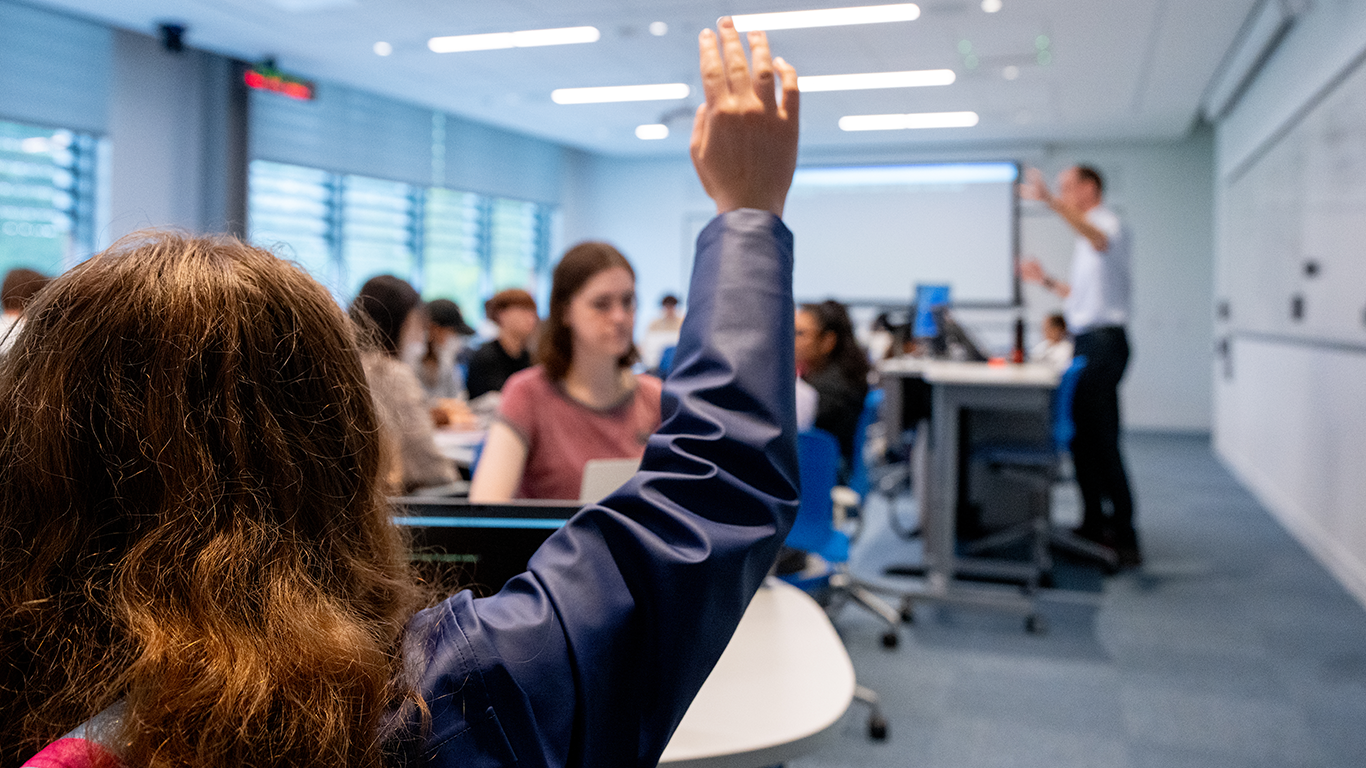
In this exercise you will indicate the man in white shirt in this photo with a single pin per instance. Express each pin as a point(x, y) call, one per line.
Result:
point(1096, 302)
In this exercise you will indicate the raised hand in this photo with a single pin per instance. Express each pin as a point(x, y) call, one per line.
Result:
point(1034, 186)
point(1031, 271)
point(744, 140)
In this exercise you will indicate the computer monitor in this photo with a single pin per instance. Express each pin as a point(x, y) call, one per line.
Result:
point(952, 335)
point(927, 299)
point(457, 544)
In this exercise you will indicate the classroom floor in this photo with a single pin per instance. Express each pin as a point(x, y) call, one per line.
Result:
point(1230, 647)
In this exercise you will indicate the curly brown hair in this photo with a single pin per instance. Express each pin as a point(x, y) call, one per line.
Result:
point(193, 518)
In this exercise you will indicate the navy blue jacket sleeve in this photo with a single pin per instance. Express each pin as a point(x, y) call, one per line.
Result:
point(592, 656)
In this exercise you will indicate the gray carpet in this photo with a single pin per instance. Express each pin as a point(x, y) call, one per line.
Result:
point(1230, 647)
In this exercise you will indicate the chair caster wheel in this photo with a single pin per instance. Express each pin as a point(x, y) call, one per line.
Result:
point(907, 614)
point(1035, 624)
point(890, 639)
point(877, 729)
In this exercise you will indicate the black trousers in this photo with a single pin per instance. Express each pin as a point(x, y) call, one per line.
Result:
point(1095, 448)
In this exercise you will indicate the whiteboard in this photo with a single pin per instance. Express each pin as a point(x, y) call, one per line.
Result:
point(872, 233)
point(1293, 221)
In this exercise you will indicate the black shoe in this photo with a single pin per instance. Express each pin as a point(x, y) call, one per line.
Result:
point(1129, 557)
point(1127, 550)
point(1103, 535)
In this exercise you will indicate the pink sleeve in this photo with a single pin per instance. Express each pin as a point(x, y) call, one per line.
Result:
point(654, 388)
point(72, 753)
point(517, 407)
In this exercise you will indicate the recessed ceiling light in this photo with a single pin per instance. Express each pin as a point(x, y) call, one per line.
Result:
point(911, 121)
point(529, 38)
point(911, 79)
point(383, 49)
point(992, 6)
point(1010, 72)
point(659, 28)
point(661, 92)
point(652, 132)
point(827, 17)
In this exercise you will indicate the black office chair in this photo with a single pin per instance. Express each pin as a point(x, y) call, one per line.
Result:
point(1039, 467)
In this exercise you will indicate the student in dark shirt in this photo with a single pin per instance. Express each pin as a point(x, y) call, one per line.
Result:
point(514, 311)
point(830, 360)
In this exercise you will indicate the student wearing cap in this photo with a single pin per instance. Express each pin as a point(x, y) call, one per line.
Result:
point(447, 332)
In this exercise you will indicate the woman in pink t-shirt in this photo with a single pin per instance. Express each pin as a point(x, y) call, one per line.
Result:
point(580, 401)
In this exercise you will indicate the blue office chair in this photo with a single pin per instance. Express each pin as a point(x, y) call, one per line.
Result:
point(666, 360)
point(1039, 467)
point(849, 498)
point(818, 457)
point(814, 532)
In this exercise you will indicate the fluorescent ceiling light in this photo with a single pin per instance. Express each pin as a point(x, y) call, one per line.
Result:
point(913, 79)
point(903, 122)
point(652, 132)
point(906, 175)
point(661, 92)
point(529, 38)
point(827, 17)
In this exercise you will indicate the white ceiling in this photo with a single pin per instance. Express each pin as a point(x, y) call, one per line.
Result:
point(1121, 69)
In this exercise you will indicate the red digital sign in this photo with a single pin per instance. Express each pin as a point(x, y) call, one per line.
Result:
point(269, 79)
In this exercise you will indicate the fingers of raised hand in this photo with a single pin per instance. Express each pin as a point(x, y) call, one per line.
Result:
point(733, 56)
point(713, 73)
point(763, 69)
point(791, 96)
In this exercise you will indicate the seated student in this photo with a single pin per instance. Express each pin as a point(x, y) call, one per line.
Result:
point(1055, 348)
point(580, 401)
point(197, 566)
point(393, 311)
point(19, 288)
point(830, 360)
point(446, 335)
point(514, 312)
point(669, 321)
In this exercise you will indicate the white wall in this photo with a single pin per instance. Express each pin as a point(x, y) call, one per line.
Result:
point(653, 208)
point(1290, 410)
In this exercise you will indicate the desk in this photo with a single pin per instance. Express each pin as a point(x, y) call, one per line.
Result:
point(458, 444)
point(956, 386)
point(781, 685)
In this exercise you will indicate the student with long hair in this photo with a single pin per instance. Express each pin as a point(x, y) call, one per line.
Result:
point(580, 401)
point(393, 314)
point(197, 566)
point(830, 360)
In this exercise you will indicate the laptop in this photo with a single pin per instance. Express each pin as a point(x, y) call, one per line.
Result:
point(460, 545)
point(602, 476)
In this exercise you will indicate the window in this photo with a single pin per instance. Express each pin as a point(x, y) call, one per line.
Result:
point(452, 264)
point(290, 211)
point(378, 231)
point(46, 197)
point(345, 229)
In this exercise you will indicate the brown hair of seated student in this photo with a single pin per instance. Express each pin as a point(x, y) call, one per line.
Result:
point(555, 352)
point(193, 517)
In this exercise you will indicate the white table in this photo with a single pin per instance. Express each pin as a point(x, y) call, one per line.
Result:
point(956, 386)
point(781, 685)
point(458, 444)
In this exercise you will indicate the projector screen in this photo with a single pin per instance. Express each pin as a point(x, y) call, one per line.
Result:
point(871, 234)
